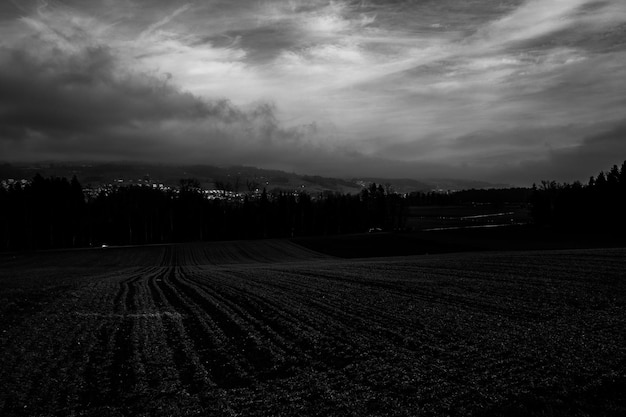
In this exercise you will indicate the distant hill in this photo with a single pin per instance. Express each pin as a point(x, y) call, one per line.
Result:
point(405, 185)
point(235, 178)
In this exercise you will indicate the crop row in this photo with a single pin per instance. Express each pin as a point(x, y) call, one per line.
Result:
point(200, 330)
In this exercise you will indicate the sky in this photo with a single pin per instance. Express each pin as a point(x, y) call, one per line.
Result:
point(509, 91)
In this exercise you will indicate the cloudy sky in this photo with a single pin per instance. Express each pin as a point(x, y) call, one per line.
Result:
point(511, 91)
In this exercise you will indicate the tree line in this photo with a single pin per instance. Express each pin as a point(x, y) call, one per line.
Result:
point(494, 197)
point(598, 205)
point(55, 213)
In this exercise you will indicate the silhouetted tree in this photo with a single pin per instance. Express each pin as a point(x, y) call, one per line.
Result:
point(597, 206)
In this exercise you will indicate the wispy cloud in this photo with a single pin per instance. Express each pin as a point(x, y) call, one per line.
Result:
point(167, 19)
point(471, 85)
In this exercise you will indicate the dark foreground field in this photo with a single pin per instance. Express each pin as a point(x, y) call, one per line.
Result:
point(270, 328)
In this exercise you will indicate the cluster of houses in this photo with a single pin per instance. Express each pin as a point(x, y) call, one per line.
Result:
point(8, 183)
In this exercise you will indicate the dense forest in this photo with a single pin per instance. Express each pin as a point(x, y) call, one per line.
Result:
point(55, 212)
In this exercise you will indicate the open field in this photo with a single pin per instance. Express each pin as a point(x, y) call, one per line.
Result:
point(435, 217)
point(271, 328)
point(497, 239)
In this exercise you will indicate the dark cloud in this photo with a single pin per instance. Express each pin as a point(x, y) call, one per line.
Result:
point(595, 153)
point(85, 104)
point(511, 157)
point(87, 91)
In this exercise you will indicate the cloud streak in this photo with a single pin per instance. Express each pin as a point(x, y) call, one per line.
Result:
point(341, 88)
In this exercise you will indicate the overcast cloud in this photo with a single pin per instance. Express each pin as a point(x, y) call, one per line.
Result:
point(511, 91)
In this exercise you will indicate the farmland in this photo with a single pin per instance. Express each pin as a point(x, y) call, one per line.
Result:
point(271, 328)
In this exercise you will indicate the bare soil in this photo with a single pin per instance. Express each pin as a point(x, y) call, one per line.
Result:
point(272, 328)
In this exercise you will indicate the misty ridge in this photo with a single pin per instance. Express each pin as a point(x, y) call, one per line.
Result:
point(55, 212)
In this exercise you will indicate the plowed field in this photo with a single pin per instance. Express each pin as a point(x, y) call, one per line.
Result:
point(270, 328)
